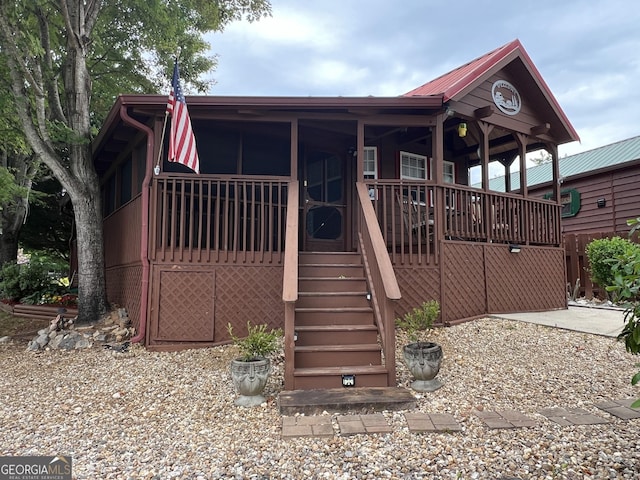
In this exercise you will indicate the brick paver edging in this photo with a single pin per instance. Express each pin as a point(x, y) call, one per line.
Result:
point(418, 422)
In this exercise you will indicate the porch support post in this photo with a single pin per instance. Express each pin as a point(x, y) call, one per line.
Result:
point(294, 149)
point(438, 150)
point(486, 129)
point(553, 150)
point(360, 156)
point(521, 138)
point(524, 188)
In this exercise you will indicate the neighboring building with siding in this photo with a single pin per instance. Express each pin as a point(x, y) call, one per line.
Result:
point(599, 187)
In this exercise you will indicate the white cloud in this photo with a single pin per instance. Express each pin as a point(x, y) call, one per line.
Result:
point(585, 50)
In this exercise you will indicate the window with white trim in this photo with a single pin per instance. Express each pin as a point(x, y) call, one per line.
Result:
point(370, 163)
point(449, 172)
point(413, 166)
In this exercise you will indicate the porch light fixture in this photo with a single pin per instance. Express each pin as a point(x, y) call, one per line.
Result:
point(462, 129)
point(601, 202)
point(449, 112)
point(514, 248)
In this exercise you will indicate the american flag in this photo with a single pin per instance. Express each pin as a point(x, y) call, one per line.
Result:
point(182, 143)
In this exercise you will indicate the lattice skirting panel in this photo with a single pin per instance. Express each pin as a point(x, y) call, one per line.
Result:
point(532, 280)
point(417, 285)
point(463, 285)
point(194, 305)
point(124, 285)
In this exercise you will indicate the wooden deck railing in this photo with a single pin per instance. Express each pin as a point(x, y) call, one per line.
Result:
point(221, 219)
point(413, 215)
point(290, 284)
point(407, 219)
point(380, 278)
point(497, 217)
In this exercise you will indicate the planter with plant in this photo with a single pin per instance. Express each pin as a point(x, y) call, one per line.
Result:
point(251, 370)
point(423, 358)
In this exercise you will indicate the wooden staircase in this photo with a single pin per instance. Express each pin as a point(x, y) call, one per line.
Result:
point(335, 330)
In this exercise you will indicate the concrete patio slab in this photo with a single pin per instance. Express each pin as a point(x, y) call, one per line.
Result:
point(363, 424)
point(419, 422)
point(572, 416)
point(620, 408)
point(504, 419)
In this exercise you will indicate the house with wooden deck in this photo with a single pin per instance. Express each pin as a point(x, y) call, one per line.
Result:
point(329, 217)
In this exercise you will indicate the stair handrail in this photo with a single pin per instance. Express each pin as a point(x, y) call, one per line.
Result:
point(379, 271)
point(290, 281)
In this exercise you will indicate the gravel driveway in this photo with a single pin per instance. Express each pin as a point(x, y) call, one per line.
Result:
point(171, 415)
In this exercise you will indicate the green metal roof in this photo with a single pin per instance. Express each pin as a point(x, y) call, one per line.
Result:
point(596, 159)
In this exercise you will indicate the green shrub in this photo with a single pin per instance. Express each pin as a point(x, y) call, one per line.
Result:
point(602, 254)
point(626, 287)
point(10, 282)
point(29, 282)
point(258, 343)
point(420, 319)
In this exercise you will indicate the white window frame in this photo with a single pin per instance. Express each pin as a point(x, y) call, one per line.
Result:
point(449, 176)
point(407, 157)
point(370, 174)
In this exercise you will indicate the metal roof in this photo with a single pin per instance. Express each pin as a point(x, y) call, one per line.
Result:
point(451, 83)
point(457, 82)
point(581, 163)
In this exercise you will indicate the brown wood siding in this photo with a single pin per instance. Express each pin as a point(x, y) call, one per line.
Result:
point(535, 107)
point(122, 234)
point(481, 97)
point(619, 188)
point(123, 266)
point(590, 217)
point(626, 196)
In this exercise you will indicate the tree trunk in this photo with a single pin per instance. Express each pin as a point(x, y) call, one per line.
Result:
point(10, 224)
point(92, 301)
point(8, 247)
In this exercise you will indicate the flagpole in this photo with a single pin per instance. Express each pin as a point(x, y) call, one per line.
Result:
point(156, 169)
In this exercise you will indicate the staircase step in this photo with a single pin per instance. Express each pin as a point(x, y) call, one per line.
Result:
point(312, 356)
point(329, 257)
point(335, 334)
point(340, 399)
point(334, 316)
point(331, 284)
point(336, 270)
point(332, 299)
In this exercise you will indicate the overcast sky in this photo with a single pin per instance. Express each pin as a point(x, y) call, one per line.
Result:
point(587, 51)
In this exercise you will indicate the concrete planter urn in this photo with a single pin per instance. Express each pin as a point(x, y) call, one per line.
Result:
point(250, 372)
point(423, 360)
point(249, 379)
